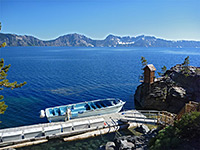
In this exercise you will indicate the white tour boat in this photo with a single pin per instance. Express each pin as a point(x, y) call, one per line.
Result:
point(83, 109)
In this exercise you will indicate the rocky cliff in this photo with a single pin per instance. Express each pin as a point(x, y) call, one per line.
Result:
point(171, 91)
point(83, 41)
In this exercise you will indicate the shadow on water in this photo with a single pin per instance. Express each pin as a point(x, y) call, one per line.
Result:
point(87, 144)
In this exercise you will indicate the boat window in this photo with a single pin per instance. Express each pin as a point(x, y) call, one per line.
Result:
point(93, 106)
point(98, 105)
point(51, 112)
point(63, 110)
point(79, 105)
point(103, 104)
point(108, 103)
point(56, 111)
point(87, 107)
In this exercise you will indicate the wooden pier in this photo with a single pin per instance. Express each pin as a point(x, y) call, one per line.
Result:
point(73, 129)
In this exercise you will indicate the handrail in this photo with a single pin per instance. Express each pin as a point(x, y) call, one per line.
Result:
point(162, 117)
point(167, 118)
point(188, 108)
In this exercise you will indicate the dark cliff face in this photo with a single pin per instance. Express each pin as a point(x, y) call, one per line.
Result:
point(83, 41)
point(16, 40)
point(66, 40)
point(171, 91)
point(71, 40)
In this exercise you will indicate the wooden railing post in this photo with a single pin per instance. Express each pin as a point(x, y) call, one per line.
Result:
point(188, 108)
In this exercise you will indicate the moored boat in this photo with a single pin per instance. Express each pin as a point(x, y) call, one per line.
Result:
point(83, 109)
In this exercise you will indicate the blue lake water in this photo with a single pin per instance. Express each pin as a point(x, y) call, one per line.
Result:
point(64, 75)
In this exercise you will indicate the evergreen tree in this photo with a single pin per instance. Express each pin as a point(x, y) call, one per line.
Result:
point(185, 130)
point(4, 82)
point(186, 62)
point(186, 69)
point(163, 70)
point(144, 63)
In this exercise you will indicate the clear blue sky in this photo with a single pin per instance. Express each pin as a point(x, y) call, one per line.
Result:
point(48, 19)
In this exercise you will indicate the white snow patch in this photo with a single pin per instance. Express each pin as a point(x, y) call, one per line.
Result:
point(18, 38)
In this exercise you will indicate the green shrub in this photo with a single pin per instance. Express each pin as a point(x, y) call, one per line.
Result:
point(189, 126)
point(186, 129)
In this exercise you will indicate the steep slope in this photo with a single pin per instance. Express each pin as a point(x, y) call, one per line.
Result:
point(83, 41)
point(71, 40)
point(171, 91)
point(18, 40)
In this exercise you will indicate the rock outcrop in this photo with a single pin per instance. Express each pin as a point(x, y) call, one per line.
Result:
point(170, 92)
point(131, 142)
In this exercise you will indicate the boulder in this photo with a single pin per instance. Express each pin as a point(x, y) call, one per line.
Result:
point(110, 146)
point(131, 142)
point(142, 129)
point(125, 145)
point(178, 92)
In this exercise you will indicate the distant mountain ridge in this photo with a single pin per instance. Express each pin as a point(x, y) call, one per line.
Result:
point(77, 40)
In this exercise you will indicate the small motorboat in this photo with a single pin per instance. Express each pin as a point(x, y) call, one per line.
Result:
point(83, 109)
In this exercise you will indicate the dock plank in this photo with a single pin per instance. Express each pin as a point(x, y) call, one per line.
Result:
point(66, 129)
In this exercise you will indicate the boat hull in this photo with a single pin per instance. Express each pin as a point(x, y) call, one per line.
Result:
point(94, 112)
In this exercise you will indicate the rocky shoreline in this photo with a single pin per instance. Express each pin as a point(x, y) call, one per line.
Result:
point(171, 91)
point(132, 142)
point(177, 86)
